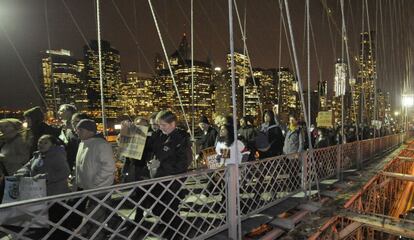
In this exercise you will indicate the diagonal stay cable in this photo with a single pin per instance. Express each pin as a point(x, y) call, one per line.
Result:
point(23, 63)
point(169, 65)
point(247, 52)
point(76, 25)
point(139, 48)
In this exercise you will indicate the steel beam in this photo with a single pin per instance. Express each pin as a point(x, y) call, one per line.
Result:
point(410, 159)
point(400, 176)
point(349, 229)
point(394, 226)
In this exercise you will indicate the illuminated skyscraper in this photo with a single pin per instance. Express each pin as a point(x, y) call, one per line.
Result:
point(165, 96)
point(242, 72)
point(111, 67)
point(136, 94)
point(323, 95)
point(367, 77)
point(221, 93)
point(340, 83)
point(62, 77)
point(288, 94)
point(268, 88)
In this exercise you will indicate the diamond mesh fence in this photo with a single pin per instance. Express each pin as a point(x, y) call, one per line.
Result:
point(188, 206)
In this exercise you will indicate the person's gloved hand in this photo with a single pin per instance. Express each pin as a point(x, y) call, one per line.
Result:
point(39, 176)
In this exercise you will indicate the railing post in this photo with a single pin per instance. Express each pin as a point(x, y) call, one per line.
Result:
point(359, 156)
point(339, 162)
point(304, 174)
point(232, 190)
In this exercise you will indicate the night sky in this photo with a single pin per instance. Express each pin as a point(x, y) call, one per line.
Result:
point(24, 22)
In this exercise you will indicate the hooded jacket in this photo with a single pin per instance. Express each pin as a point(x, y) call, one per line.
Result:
point(95, 164)
point(52, 163)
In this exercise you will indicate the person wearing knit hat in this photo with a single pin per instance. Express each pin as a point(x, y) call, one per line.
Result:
point(209, 134)
point(87, 124)
point(95, 167)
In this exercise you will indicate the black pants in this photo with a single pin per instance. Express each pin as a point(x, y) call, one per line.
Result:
point(134, 170)
point(165, 205)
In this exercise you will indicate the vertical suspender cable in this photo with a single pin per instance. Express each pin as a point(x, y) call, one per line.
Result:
point(98, 28)
point(308, 60)
point(169, 65)
point(297, 71)
point(345, 36)
point(233, 183)
point(192, 77)
point(343, 82)
point(51, 63)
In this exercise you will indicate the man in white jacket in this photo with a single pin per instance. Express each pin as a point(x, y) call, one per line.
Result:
point(95, 166)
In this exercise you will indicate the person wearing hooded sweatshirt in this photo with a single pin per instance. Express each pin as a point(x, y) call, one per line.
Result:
point(275, 136)
point(50, 163)
point(37, 127)
point(95, 167)
point(294, 141)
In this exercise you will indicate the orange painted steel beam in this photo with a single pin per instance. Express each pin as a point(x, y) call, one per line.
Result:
point(400, 176)
point(384, 223)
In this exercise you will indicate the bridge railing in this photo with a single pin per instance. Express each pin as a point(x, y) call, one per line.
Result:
point(188, 206)
point(379, 197)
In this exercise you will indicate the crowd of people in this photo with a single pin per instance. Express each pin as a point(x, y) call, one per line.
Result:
point(75, 156)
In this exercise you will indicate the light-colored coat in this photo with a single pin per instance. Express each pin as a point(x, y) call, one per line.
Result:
point(294, 142)
point(95, 164)
point(16, 154)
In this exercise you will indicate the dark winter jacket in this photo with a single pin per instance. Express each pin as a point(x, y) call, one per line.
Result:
point(276, 141)
point(52, 163)
point(208, 139)
point(173, 152)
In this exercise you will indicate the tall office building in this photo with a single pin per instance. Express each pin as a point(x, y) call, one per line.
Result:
point(340, 79)
point(288, 94)
point(242, 73)
point(323, 95)
point(202, 103)
point(268, 87)
point(165, 95)
point(221, 93)
point(136, 94)
point(366, 77)
point(62, 78)
point(111, 67)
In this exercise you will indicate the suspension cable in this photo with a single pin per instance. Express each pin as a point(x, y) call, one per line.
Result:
point(134, 38)
point(169, 65)
point(298, 72)
point(23, 63)
point(76, 25)
point(247, 54)
point(51, 61)
point(345, 40)
point(98, 31)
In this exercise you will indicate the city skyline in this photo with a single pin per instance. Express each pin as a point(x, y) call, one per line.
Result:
point(210, 39)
